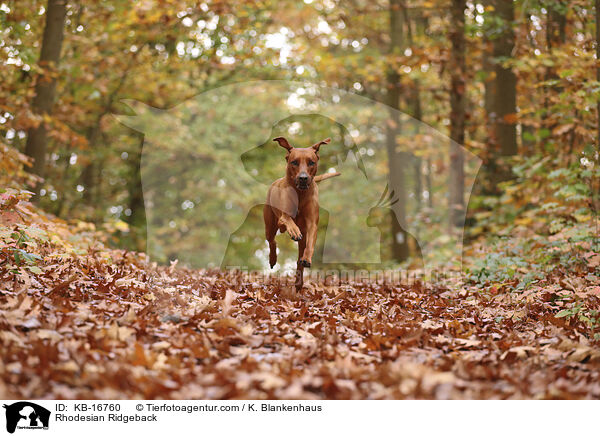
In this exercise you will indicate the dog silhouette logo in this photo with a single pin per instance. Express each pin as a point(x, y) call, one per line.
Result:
point(207, 162)
point(26, 415)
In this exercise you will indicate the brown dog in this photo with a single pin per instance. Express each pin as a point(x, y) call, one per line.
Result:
point(293, 204)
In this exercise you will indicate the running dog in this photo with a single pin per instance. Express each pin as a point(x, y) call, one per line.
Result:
point(293, 204)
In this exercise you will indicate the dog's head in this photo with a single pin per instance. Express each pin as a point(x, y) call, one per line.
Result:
point(301, 162)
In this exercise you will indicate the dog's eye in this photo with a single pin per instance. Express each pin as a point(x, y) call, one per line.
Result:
point(310, 163)
point(295, 162)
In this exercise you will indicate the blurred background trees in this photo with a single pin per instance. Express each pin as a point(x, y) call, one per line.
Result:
point(515, 82)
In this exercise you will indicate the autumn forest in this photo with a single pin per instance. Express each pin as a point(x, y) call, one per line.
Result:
point(457, 254)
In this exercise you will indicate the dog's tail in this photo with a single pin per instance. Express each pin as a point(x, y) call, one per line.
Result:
point(326, 176)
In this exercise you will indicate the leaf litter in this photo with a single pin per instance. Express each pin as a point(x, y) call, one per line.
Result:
point(91, 328)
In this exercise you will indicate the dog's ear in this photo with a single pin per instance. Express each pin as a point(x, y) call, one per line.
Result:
point(318, 144)
point(283, 142)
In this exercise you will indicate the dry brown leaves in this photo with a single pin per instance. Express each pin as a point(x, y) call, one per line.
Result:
point(86, 328)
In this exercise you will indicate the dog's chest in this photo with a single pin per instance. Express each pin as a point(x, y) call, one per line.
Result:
point(306, 206)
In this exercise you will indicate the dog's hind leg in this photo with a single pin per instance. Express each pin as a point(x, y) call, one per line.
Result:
point(270, 232)
point(272, 252)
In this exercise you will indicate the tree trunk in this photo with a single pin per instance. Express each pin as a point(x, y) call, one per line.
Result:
point(45, 88)
point(418, 171)
point(91, 175)
point(557, 24)
point(488, 185)
point(88, 174)
point(598, 66)
point(417, 161)
point(488, 67)
point(137, 219)
point(485, 184)
point(595, 181)
point(429, 183)
point(422, 24)
point(505, 101)
point(489, 85)
point(457, 113)
point(396, 160)
point(527, 129)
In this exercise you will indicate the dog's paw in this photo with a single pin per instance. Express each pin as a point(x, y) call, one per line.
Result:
point(305, 263)
point(295, 235)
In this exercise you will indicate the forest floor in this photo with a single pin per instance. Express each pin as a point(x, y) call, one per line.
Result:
point(84, 327)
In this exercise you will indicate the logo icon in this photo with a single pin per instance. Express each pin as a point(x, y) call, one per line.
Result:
point(26, 415)
point(206, 165)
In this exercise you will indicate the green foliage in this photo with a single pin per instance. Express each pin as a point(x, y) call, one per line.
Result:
point(14, 249)
point(579, 312)
point(510, 265)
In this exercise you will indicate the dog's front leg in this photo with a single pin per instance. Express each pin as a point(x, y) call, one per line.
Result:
point(311, 241)
point(291, 227)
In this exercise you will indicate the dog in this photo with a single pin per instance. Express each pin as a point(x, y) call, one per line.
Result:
point(292, 204)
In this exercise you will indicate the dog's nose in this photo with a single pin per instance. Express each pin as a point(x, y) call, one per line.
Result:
point(303, 177)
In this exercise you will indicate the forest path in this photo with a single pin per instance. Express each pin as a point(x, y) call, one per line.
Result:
point(87, 330)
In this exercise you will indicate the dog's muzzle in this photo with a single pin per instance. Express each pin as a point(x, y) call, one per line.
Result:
point(302, 181)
